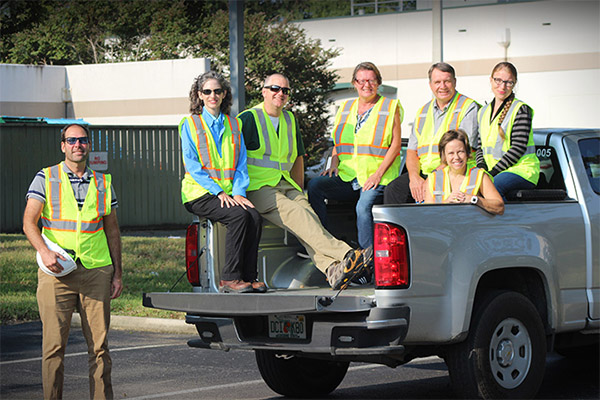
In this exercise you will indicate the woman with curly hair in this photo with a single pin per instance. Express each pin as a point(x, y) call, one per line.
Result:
point(216, 179)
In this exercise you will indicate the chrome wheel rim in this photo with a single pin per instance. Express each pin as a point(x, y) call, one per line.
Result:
point(510, 353)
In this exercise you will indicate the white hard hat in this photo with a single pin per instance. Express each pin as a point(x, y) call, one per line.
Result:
point(68, 264)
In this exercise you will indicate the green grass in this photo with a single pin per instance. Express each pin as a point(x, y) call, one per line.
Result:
point(150, 264)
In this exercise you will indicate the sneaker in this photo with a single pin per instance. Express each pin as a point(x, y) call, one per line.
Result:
point(363, 278)
point(339, 274)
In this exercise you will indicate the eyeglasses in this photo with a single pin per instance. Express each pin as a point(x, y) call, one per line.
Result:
point(277, 88)
point(207, 92)
point(73, 140)
point(499, 82)
point(361, 82)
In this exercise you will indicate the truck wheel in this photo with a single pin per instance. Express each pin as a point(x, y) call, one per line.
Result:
point(299, 377)
point(504, 355)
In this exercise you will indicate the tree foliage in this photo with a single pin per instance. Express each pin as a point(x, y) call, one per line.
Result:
point(65, 32)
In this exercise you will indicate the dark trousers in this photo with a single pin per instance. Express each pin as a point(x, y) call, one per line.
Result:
point(398, 190)
point(244, 228)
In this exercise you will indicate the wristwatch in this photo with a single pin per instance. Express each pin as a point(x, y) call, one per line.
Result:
point(474, 200)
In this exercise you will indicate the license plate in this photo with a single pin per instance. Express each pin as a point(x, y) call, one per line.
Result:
point(287, 326)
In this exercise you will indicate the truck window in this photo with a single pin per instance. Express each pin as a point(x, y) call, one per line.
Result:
point(590, 154)
point(551, 176)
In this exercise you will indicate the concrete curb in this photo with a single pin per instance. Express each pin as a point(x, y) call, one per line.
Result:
point(161, 325)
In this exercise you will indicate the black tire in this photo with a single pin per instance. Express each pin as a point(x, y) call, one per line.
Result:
point(504, 355)
point(299, 377)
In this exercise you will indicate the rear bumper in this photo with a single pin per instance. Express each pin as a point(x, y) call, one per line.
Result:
point(378, 332)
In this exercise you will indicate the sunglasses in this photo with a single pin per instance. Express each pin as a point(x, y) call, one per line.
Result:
point(277, 88)
point(207, 92)
point(73, 140)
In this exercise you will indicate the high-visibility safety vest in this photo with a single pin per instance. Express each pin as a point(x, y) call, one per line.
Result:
point(71, 228)
point(439, 183)
point(428, 139)
point(361, 153)
point(221, 168)
point(276, 154)
point(493, 147)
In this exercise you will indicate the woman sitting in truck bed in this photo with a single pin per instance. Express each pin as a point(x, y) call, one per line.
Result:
point(506, 149)
point(461, 181)
point(216, 179)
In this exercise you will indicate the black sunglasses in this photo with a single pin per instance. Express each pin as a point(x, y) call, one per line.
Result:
point(277, 88)
point(73, 140)
point(207, 92)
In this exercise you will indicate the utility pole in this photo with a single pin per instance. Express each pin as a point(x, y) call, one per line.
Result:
point(438, 31)
point(236, 55)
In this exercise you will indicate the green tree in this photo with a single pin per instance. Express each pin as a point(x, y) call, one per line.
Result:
point(279, 47)
point(97, 31)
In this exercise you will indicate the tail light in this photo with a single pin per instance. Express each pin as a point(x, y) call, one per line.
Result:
point(191, 255)
point(391, 257)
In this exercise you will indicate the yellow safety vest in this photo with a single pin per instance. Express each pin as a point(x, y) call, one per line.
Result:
point(427, 139)
point(361, 154)
point(221, 168)
point(71, 228)
point(276, 154)
point(493, 147)
point(439, 183)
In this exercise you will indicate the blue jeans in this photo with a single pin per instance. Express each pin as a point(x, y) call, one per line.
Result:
point(334, 188)
point(507, 181)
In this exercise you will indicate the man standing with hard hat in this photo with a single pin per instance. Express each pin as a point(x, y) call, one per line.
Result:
point(77, 210)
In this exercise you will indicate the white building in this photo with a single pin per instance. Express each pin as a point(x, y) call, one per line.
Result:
point(554, 44)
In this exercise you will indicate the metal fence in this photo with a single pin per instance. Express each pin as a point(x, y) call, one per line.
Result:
point(144, 161)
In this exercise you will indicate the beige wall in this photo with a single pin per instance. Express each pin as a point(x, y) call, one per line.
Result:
point(554, 44)
point(32, 91)
point(146, 93)
point(134, 93)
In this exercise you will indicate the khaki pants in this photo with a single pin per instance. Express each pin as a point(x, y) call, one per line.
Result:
point(288, 208)
point(87, 290)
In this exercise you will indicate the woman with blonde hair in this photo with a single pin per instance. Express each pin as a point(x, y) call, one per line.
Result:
point(506, 149)
point(366, 156)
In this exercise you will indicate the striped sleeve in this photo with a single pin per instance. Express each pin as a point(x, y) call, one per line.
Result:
point(37, 189)
point(479, 155)
point(518, 141)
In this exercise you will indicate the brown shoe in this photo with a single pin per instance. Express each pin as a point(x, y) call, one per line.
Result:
point(235, 286)
point(259, 287)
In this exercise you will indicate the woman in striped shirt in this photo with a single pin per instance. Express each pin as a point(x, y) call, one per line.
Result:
point(506, 149)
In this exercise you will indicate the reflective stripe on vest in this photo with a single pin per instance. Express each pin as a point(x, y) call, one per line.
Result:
point(219, 167)
point(80, 230)
point(428, 139)
point(343, 148)
point(453, 123)
point(470, 185)
point(361, 151)
point(496, 151)
point(204, 153)
point(265, 161)
point(274, 157)
point(494, 147)
point(55, 201)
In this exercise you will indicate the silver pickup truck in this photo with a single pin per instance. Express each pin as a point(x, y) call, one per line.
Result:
point(489, 294)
